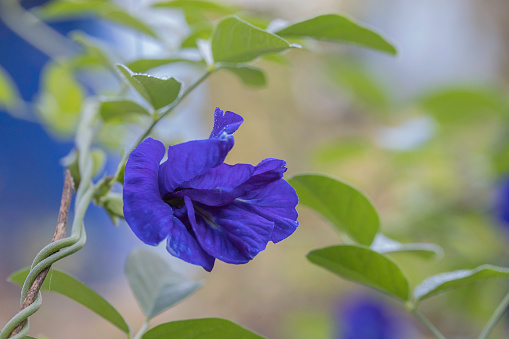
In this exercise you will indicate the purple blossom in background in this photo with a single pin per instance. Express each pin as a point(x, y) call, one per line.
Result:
point(502, 202)
point(363, 317)
point(204, 208)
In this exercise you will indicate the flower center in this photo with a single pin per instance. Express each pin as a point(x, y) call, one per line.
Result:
point(176, 203)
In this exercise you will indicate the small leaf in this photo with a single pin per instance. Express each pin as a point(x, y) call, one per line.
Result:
point(206, 328)
point(60, 282)
point(337, 28)
point(9, 95)
point(208, 6)
point(250, 76)
point(92, 50)
point(143, 65)
point(66, 9)
point(451, 280)
point(121, 110)
point(236, 41)
point(382, 244)
point(345, 207)
point(453, 105)
point(113, 205)
point(60, 102)
point(363, 265)
point(155, 286)
point(158, 92)
point(202, 32)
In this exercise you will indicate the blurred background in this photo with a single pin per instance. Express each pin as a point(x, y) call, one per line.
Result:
point(423, 134)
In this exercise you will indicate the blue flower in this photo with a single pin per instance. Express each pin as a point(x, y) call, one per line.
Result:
point(203, 208)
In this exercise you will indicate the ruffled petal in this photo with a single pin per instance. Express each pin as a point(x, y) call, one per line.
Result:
point(229, 233)
point(191, 159)
point(227, 123)
point(275, 202)
point(266, 172)
point(183, 245)
point(150, 218)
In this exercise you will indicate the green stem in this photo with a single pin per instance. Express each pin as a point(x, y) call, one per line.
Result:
point(142, 330)
point(428, 324)
point(499, 311)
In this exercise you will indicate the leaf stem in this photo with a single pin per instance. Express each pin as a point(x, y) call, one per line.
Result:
point(499, 311)
point(142, 330)
point(428, 324)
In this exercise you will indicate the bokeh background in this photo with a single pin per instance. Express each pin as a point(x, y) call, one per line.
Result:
point(423, 134)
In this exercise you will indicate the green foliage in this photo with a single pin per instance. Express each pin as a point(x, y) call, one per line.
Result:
point(198, 5)
point(155, 286)
point(60, 103)
point(337, 28)
point(363, 265)
point(121, 110)
point(451, 280)
point(66, 9)
point(207, 328)
point(9, 95)
point(113, 205)
point(93, 54)
point(249, 75)
point(345, 207)
point(382, 244)
point(454, 105)
point(156, 91)
point(60, 282)
point(237, 41)
point(143, 65)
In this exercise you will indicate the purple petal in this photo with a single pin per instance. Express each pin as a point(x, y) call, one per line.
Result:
point(267, 171)
point(191, 159)
point(150, 218)
point(275, 202)
point(183, 245)
point(229, 233)
point(227, 123)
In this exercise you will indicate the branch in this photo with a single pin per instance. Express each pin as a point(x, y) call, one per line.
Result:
point(63, 213)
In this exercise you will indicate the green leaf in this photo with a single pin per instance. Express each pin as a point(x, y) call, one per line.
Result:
point(158, 92)
point(197, 5)
point(155, 286)
point(60, 282)
point(382, 244)
point(249, 75)
point(9, 95)
point(121, 110)
point(202, 32)
point(365, 89)
point(363, 265)
point(60, 102)
point(93, 53)
point(143, 65)
point(113, 205)
point(236, 41)
point(206, 328)
point(345, 207)
point(66, 9)
point(451, 280)
point(337, 28)
point(453, 105)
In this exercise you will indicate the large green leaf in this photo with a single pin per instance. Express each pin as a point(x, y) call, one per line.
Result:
point(453, 105)
point(155, 286)
point(207, 328)
point(451, 280)
point(60, 102)
point(237, 41)
point(8, 92)
point(60, 282)
point(338, 28)
point(249, 75)
point(382, 244)
point(157, 91)
point(121, 110)
point(363, 265)
point(65, 9)
point(348, 209)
